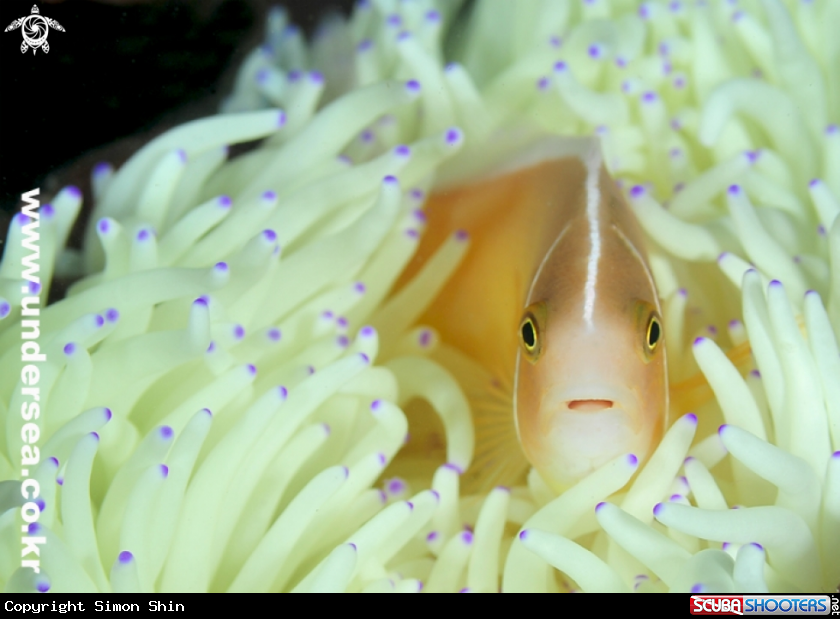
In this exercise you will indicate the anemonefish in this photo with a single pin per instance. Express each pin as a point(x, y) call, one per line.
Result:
point(556, 300)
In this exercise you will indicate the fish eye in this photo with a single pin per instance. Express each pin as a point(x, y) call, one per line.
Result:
point(531, 328)
point(654, 333)
point(529, 334)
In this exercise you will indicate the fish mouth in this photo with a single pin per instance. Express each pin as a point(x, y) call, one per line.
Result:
point(590, 399)
point(586, 428)
point(589, 406)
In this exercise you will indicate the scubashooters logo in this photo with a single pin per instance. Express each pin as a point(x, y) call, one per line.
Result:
point(35, 28)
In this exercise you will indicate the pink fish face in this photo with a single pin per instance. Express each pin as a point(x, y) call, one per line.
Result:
point(591, 380)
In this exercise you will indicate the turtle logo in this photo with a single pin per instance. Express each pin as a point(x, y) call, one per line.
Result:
point(35, 28)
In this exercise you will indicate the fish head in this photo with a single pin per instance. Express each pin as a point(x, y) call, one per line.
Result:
point(591, 379)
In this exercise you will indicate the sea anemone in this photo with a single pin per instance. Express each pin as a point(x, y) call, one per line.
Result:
point(218, 414)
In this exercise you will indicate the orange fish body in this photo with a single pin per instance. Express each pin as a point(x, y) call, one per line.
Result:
point(555, 299)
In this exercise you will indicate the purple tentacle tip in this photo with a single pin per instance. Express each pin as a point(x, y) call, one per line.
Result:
point(104, 225)
point(103, 167)
point(239, 332)
point(462, 235)
point(212, 346)
point(375, 404)
point(35, 288)
point(343, 341)
point(394, 20)
point(425, 338)
point(353, 546)
point(734, 190)
point(688, 459)
point(722, 429)
point(42, 586)
point(698, 588)
point(698, 341)
point(281, 119)
point(40, 503)
point(402, 151)
point(54, 460)
point(453, 135)
point(755, 373)
point(274, 334)
point(757, 545)
point(523, 534)
point(364, 357)
point(467, 537)
point(252, 369)
point(657, 509)
point(207, 412)
point(410, 505)
point(404, 35)
point(367, 331)
point(836, 454)
point(108, 415)
point(832, 130)
point(283, 392)
point(221, 266)
point(433, 16)
point(269, 195)
point(390, 179)
point(143, 235)
point(316, 77)
point(595, 51)
point(327, 429)
point(5, 309)
point(637, 191)
point(435, 494)
point(99, 320)
point(691, 418)
point(126, 557)
point(34, 527)
point(95, 435)
point(341, 321)
point(412, 86)
point(560, 66)
point(632, 459)
point(364, 45)
point(270, 235)
point(649, 97)
point(47, 211)
point(69, 348)
point(454, 467)
point(164, 471)
point(166, 432)
point(675, 497)
point(382, 458)
point(112, 315)
point(432, 536)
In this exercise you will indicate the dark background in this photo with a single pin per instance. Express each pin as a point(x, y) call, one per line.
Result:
point(121, 68)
